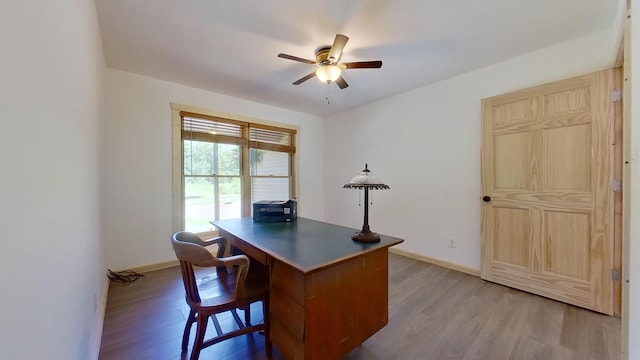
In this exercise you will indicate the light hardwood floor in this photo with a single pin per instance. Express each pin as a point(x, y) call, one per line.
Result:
point(434, 313)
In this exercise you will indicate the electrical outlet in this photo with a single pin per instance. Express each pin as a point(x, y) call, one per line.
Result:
point(452, 243)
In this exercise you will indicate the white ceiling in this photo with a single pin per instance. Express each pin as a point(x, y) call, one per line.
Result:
point(231, 46)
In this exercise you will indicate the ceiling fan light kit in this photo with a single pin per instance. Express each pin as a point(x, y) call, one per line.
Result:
point(328, 61)
point(328, 73)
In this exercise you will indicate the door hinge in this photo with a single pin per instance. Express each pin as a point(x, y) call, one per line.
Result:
point(615, 275)
point(616, 95)
point(616, 186)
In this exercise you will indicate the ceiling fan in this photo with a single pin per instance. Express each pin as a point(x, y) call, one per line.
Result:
point(329, 68)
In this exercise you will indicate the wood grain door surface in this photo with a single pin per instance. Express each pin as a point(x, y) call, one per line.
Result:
point(547, 166)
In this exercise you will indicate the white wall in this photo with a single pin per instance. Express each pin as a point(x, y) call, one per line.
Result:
point(51, 264)
point(425, 144)
point(137, 181)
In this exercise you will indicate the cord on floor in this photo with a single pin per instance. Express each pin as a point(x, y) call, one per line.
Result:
point(125, 276)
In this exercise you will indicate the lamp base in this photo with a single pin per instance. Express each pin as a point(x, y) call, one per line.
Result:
point(366, 236)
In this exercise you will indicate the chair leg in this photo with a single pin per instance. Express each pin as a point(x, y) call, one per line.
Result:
point(187, 329)
point(201, 329)
point(267, 325)
point(247, 315)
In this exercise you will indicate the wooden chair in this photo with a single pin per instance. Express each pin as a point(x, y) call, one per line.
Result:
point(233, 287)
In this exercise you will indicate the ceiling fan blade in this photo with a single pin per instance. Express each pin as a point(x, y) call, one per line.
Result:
point(362, 65)
point(336, 49)
point(295, 58)
point(305, 78)
point(341, 83)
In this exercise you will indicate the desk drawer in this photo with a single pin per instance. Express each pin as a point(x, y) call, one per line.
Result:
point(289, 345)
point(288, 312)
point(248, 249)
point(289, 281)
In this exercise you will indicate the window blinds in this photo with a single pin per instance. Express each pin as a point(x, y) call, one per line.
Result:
point(212, 128)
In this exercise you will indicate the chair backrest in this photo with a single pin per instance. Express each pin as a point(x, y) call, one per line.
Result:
point(189, 253)
point(187, 248)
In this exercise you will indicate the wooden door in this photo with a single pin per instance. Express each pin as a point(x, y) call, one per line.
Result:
point(547, 174)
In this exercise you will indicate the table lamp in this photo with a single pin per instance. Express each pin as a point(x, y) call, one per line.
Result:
point(366, 181)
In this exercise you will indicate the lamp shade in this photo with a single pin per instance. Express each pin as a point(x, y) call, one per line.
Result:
point(328, 73)
point(366, 180)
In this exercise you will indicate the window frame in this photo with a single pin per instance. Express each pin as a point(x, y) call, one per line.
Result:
point(178, 178)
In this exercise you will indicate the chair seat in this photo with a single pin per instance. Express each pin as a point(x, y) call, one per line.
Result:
point(218, 290)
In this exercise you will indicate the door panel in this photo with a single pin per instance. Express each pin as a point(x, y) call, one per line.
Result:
point(512, 154)
point(566, 251)
point(567, 158)
point(547, 164)
point(513, 236)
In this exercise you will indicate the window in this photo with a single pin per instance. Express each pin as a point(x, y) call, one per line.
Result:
point(227, 165)
point(212, 183)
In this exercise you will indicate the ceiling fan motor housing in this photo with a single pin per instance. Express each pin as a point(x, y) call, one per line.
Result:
point(322, 56)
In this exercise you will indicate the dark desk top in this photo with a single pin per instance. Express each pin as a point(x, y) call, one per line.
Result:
point(306, 244)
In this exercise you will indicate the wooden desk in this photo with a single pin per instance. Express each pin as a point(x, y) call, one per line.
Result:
point(328, 293)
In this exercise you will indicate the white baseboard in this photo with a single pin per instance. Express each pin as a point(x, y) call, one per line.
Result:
point(100, 325)
point(156, 266)
point(434, 261)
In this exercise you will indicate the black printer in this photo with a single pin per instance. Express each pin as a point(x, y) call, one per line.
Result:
point(275, 211)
